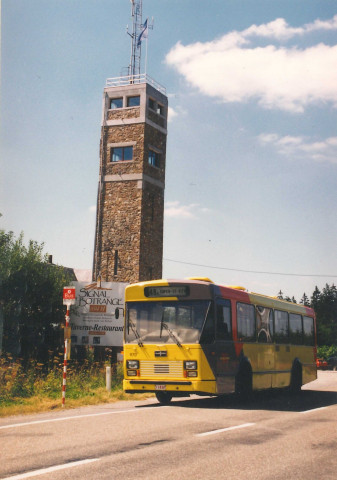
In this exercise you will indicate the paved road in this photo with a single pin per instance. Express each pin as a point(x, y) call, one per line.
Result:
point(273, 437)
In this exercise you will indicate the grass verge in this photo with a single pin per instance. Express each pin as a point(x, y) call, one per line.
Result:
point(38, 388)
point(36, 404)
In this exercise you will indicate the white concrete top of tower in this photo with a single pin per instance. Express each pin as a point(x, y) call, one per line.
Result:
point(135, 79)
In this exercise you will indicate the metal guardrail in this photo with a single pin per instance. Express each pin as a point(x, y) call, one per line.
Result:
point(135, 79)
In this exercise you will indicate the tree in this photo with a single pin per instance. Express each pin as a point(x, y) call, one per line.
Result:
point(325, 305)
point(305, 300)
point(286, 298)
point(31, 296)
point(315, 297)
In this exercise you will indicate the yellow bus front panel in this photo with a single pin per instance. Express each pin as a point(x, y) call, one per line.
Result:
point(167, 367)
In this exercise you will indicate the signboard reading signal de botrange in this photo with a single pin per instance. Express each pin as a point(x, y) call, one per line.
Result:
point(98, 316)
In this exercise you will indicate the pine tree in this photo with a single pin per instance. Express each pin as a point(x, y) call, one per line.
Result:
point(305, 300)
point(325, 305)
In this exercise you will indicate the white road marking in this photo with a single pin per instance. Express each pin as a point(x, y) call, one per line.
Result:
point(314, 410)
point(74, 417)
point(213, 432)
point(42, 471)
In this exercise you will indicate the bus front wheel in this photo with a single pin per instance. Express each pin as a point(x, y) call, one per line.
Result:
point(164, 397)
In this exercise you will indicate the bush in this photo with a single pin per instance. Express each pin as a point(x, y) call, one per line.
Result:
point(327, 351)
point(36, 379)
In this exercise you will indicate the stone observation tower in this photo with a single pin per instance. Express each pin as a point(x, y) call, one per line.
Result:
point(130, 200)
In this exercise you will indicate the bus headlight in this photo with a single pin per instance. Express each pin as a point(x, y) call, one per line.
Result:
point(132, 373)
point(191, 373)
point(190, 365)
point(132, 364)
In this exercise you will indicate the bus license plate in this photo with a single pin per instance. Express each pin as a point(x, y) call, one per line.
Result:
point(160, 387)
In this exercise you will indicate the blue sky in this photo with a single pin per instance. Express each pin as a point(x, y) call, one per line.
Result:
point(252, 142)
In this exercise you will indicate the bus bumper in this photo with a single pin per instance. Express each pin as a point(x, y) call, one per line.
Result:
point(205, 387)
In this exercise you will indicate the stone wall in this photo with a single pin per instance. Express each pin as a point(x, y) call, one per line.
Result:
point(156, 118)
point(130, 112)
point(121, 227)
point(151, 246)
point(156, 139)
point(125, 134)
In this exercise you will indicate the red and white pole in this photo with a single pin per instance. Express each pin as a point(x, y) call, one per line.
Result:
point(69, 298)
point(64, 384)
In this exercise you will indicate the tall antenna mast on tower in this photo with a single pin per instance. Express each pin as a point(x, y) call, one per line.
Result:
point(139, 31)
point(136, 14)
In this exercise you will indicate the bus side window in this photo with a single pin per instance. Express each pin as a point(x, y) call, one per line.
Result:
point(223, 320)
point(264, 324)
point(295, 329)
point(246, 322)
point(281, 327)
point(308, 331)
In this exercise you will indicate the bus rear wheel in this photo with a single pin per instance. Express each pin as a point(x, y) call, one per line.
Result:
point(296, 378)
point(244, 383)
point(164, 397)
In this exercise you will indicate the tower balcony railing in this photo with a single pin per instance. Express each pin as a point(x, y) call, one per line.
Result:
point(135, 79)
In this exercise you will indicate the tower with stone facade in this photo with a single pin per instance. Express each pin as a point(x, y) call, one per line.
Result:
point(130, 201)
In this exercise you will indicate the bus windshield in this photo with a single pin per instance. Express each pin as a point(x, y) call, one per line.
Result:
point(165, 322)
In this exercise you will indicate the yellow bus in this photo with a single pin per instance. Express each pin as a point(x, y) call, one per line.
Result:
point(191, 336)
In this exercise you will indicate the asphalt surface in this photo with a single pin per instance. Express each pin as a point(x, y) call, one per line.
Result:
point(275, 436)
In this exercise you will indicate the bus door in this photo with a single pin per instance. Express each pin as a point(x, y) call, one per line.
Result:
point(266, 350)
point(226, 362)
point(281, 376)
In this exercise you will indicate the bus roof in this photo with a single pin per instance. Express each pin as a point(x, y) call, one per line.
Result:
point(203, 286)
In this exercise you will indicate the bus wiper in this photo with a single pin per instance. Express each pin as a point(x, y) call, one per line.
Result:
point(171, 334)
point(136, 334)
point(161, 325)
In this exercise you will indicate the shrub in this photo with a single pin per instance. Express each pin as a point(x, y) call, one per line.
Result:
point(36, 379)
point(326, 351)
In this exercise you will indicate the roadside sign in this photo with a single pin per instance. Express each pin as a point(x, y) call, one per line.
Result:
point(99, 316)
point(69, 296)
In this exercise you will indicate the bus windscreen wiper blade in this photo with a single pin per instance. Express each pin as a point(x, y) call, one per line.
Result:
point(171, 334)
point(136, 334)
point(161, 325)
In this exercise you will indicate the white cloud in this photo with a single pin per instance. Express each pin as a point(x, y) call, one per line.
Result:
point(234, 70)
point(265, 138)
point(175, 112)
point(171, 113)
point(176, 210)
point(92, 208)
point(280, 29)
point(295, 147)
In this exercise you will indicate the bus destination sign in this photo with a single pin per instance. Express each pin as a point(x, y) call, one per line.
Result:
point(171, 291)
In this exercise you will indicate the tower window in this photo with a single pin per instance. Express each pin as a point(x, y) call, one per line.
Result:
point(116, 103)
point(156, 107)
point(133, 101)
point(120, 154)
point(154, 158)
point(152, 104)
